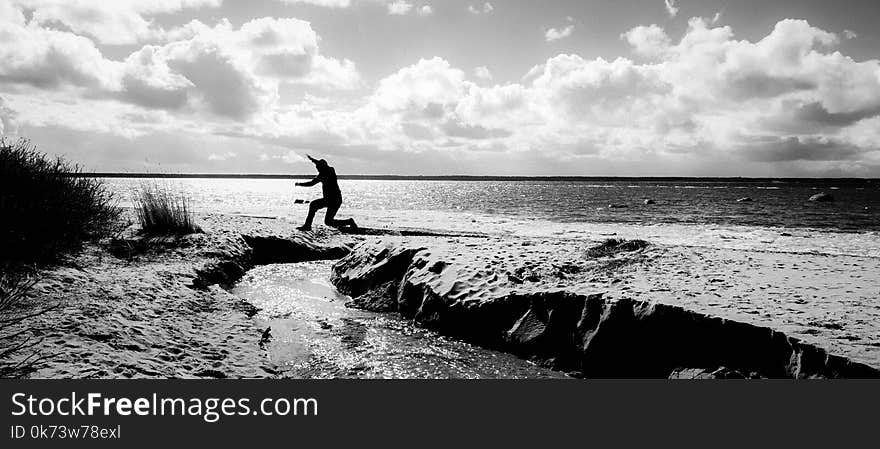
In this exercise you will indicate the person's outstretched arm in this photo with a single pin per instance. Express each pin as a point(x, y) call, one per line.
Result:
point(309, 183)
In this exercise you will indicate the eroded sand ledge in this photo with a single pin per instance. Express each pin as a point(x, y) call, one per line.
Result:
point(549, 305)
point(158, 308)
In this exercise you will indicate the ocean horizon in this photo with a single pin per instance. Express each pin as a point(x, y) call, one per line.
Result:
point(746, 214)
point(463, 177)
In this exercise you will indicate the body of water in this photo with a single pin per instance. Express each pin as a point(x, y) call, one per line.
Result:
point(689, 211)
point(314, 335)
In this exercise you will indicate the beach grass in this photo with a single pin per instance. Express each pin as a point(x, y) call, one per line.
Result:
point(18, 354)
point(47, 211)
point(163, 211)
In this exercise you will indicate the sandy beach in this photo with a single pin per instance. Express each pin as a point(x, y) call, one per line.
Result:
point(156, 309)
point(164, 308)
point(644, 313)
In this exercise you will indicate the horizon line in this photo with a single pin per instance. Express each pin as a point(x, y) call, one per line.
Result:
point(446, 177)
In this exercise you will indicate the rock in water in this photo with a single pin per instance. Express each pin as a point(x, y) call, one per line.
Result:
point(299, 202)
point(747, 199)
point(649, 201)
point(617, 206)
point(822, 198)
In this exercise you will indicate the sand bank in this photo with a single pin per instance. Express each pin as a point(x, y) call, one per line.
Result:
point(160, 308)
point(656, 312)
point(157, 307)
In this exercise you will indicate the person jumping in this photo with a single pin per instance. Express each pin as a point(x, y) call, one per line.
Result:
point(332, 199)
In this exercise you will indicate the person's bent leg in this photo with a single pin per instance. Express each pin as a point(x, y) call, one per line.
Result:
point(330, 218)
point(313, 209)
point(332, 208)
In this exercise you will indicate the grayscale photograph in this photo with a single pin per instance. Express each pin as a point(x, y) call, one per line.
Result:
point(439, 189)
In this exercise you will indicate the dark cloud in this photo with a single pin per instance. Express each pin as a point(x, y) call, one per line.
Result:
point(795, 117)
point(762, 85)
point(141, 93)
point(226, 89)
point(816, 114)
point(51, 70)
point(417, 131)
point(788, 149)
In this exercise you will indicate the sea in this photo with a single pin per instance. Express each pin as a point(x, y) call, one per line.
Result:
point(777, 216)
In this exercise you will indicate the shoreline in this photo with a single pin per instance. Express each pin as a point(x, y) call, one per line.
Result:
point(159, 309)
point(576, 207)
point(387, 177)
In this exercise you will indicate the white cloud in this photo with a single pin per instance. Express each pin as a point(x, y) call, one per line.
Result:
point(324, 3)
point(116, 22)
point(671, 9)
point(236, 73)
point(785, 99)
point(226, 72)
point(7, 119)
point(485, 9)
point(850, 34)
point(52, 59)
point(399, 7)
point(650, 41)
point(554, 35)
point(421, 86)
point(483, 73)
point(10, 13)
point(394, 7)
point(222, 156)
point(789, 99)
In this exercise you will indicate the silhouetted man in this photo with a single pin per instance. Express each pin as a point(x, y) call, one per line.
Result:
point(332, 197)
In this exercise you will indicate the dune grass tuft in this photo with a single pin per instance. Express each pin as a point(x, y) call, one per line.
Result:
point(18, 338)
point(162, 211)
point(46, 209)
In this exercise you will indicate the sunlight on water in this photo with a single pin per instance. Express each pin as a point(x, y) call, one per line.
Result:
point(315, 335)
point(705, 214)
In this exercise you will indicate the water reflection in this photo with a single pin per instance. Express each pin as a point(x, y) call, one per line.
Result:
point(316, 336)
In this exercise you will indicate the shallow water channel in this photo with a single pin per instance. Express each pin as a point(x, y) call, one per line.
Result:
point(314, 335)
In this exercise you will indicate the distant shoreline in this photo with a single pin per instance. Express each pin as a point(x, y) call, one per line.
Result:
point(472, 177)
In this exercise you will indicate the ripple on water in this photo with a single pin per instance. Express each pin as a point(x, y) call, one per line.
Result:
point(316, 336)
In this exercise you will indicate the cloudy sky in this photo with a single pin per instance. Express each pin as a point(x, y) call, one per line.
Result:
point(507, 87)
